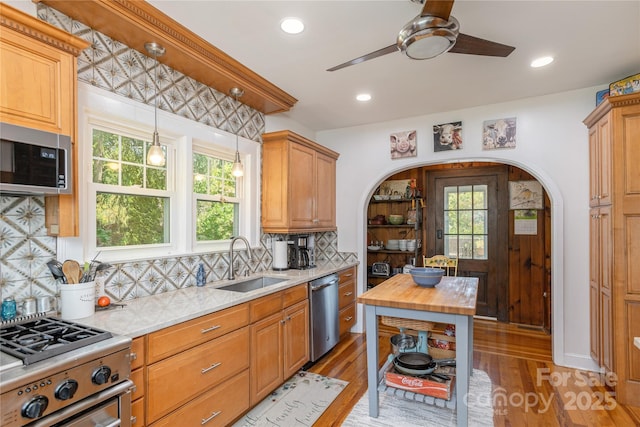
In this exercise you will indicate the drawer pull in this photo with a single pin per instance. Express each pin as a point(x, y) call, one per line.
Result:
point(134, 419)
point(348, 319)
point(213, 328)
point(348, 274)
point(348, 294)
point(133, 356)
point(215, 365)
point(213, 415)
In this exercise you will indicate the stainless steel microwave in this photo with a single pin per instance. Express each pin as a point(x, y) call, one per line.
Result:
point(33, 161)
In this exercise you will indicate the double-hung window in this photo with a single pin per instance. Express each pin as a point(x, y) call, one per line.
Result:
point(217, 196)
point(132, 198)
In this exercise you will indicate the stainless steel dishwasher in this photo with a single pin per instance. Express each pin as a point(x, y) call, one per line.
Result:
point(323, 298)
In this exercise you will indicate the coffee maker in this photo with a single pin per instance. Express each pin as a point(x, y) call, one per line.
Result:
point(300, 256)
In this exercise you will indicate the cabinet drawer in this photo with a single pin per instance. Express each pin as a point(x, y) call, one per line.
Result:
point(177, 338)
point(137, 413)
point(346, 293)
point(176, 380)
point(265, 306)
point(218, 407)
point(347, 318)
point(137, 376)
point(349, 274)
point(294, 295)
point(137, 352)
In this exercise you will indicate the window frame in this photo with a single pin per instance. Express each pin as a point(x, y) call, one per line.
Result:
point(97, 107)
point(201, 147)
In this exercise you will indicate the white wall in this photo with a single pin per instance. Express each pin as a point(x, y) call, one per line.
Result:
point(551, 145)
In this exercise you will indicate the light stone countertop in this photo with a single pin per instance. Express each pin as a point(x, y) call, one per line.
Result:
point(144, 315)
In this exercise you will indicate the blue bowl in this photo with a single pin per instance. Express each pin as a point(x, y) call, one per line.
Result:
point(426, 276)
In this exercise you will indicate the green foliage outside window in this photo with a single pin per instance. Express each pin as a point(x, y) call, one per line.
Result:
point(122, 218)
point(465, 221)
point(217, 207)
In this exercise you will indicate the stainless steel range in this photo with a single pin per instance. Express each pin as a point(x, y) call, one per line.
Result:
point(59, 373)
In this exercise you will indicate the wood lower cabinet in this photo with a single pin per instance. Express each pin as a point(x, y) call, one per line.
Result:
point(298, 184)
point(614, 279)
point(347, 300)
point(38, 89)
point(200, 357)
point(279, 339)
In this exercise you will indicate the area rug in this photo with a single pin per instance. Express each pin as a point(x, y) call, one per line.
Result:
point(298, 402)
point(398, 408)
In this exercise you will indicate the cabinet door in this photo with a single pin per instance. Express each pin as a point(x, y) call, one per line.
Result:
point(325, 192)
point(600, 152)
point(594, 285)
point(38, 82)
point(301, 184)
point(266, 357)
point(296, 337)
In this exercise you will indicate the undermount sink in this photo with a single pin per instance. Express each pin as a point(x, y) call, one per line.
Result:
point(252, 284)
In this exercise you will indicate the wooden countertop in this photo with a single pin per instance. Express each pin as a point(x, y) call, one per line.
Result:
point(455, 295)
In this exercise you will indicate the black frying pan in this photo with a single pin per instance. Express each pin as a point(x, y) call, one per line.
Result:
point(416, 363)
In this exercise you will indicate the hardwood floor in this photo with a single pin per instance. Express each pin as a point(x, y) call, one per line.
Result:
point(529, 390)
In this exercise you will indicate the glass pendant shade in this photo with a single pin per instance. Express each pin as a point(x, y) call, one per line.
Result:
point(237, 170)
point(155, 155)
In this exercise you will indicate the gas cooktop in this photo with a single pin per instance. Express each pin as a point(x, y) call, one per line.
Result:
point(42, 338)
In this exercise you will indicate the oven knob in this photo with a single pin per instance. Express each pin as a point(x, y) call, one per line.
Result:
point(101, 375)
point(35, 407)
point(66, 390)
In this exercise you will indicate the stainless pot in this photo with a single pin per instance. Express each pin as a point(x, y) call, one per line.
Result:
point(402, 343)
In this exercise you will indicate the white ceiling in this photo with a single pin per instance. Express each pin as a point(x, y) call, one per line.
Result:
point(594, 43)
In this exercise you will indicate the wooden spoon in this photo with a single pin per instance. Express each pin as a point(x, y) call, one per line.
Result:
point(71, 270)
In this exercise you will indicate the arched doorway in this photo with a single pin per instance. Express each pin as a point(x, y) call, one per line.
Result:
point(515, 272)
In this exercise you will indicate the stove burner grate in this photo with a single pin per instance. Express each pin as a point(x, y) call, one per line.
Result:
point(43, 338)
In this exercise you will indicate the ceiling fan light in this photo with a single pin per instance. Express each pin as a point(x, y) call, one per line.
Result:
point(428, 36)
point(428, 47)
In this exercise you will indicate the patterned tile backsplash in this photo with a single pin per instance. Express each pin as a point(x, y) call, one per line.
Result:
point(25, 249)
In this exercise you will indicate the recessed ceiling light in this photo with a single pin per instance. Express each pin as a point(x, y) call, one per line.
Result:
point(541, 62)
point(363, 97)
point(292, 25)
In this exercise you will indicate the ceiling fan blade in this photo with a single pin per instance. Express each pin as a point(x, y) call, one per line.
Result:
point(439, 8)
point(476, 46)
point(377, 53)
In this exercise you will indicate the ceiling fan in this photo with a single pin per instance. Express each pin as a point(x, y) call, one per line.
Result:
point(432, 33)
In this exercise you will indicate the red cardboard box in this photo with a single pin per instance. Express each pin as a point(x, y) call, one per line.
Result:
point(418, 385)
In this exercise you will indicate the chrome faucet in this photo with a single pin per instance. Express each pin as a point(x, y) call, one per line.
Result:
point(233, 240)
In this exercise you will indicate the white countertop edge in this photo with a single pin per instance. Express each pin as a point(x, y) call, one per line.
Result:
point(145, 315)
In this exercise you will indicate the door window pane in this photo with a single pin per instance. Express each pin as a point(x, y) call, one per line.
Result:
point(465, 221)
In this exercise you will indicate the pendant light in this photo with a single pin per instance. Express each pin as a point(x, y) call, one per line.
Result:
point(155, 155)
point(237, 170)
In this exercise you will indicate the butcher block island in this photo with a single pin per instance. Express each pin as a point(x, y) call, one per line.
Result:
point(452, 301)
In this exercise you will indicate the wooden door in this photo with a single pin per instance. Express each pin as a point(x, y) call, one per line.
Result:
point(466, 219)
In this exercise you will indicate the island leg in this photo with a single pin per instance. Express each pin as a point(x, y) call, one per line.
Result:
point(462, 369)
point(371, 325)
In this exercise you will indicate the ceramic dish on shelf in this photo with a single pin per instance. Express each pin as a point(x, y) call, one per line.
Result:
point(373, 248)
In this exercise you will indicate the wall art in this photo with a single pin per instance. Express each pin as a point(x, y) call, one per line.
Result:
point(403, 144)
point(525, 195)
point(500, 133)
point(447, 136)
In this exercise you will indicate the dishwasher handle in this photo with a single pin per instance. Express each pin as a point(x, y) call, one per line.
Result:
point(315, 288)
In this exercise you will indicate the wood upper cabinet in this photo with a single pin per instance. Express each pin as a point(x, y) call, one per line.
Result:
point(38, 89)
point(614, 149)
point(298, 184)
